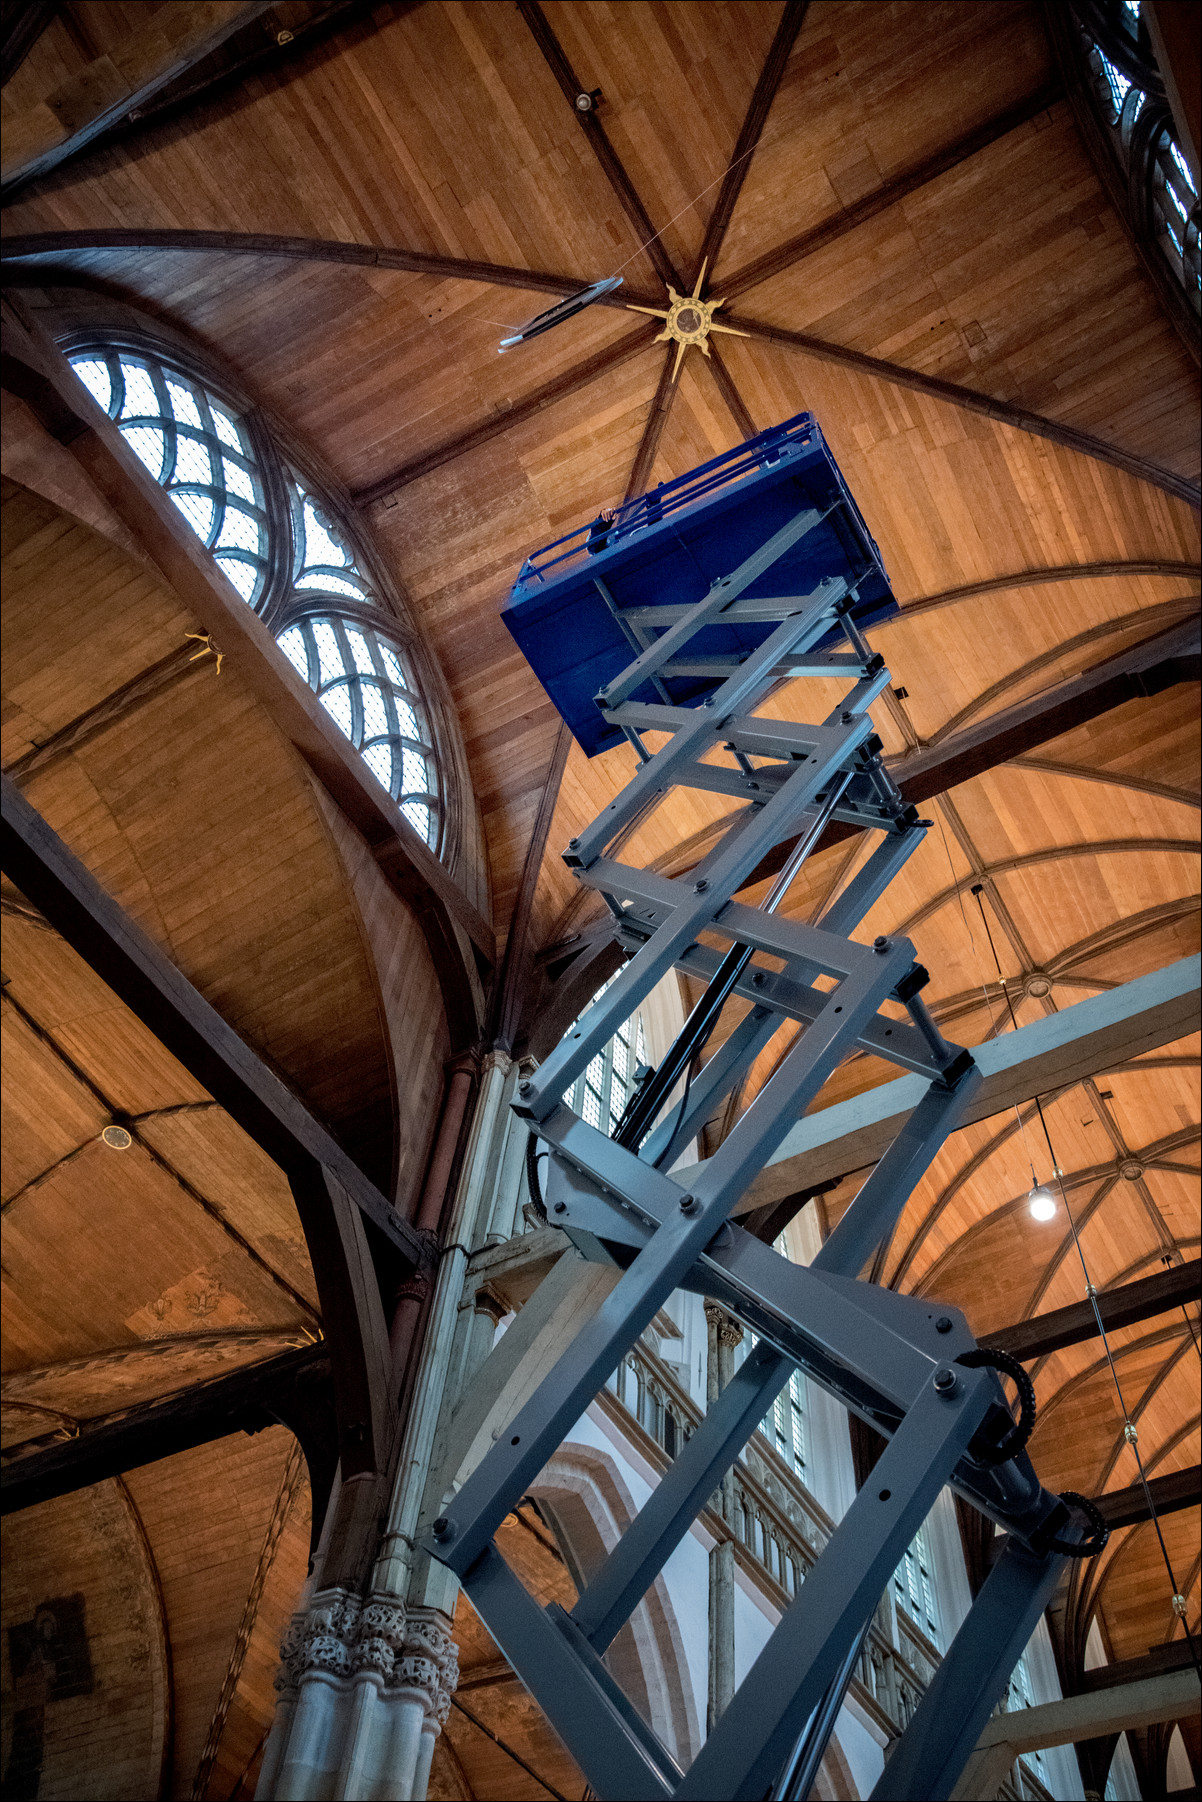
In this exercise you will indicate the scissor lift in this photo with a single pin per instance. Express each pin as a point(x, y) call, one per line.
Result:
point(745, 573)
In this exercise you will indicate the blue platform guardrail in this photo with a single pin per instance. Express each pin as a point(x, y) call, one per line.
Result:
point(666, 548)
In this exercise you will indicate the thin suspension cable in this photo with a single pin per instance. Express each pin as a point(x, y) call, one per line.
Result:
point(1130, 1431)
point(685, 209)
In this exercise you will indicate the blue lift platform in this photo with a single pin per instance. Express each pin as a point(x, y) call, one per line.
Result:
point(680, 617)
point(580, 605)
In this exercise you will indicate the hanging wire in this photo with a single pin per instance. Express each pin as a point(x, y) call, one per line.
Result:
point(1130, 1432)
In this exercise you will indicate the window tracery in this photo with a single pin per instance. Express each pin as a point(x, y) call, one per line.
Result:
point(1127, 91)
point(287, 553)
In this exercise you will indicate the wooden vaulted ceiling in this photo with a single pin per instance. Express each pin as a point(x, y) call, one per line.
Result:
point(921, 253)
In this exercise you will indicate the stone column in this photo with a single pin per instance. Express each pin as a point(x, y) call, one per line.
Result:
point(724, 1334)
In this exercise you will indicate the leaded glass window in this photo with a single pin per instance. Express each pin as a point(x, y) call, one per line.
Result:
point(600, 1095)
point(913, 1589)
point(196, 449)
point(290, 557)
point(1020, 1694)
point(1126, 88)
point(366, 687)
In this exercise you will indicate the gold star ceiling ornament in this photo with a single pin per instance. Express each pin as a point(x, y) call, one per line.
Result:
point(689, 320)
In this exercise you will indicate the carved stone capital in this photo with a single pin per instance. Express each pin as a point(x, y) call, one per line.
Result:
point(342, 1636)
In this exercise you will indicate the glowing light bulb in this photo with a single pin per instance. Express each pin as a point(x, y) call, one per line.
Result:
point(1042, 1204)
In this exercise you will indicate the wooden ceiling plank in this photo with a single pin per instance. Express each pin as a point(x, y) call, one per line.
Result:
point(590, 123)
point(1145, 668)
point(515, 969)
point(329, 1189)
point(1085, 443)
point(570, 382)
point(795, 249)
point(1152, 1295)
point(169, 40)
point(791, 20)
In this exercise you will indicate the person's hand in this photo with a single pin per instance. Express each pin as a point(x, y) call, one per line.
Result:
point(609, 514)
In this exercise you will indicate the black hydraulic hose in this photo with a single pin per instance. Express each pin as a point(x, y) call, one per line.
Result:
point(532, 1180)
point(692, 1037)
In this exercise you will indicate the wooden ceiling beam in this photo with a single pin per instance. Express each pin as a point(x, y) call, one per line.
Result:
point(612, 166)
point(807, 243)
point(332, 1194)
point(1147, 668)
point(292, 1389)
point(1142, 1300)
point(22, 246)
point(657, 419)
point(168, 40)
point(1175, 1656)
point(510, 989)
point(789, 24)
point(1052, 1053)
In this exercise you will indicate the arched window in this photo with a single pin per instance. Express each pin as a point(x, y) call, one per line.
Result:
point(288, 554)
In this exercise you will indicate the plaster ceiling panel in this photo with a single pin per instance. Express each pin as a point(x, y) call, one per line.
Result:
point(869, 92)
point(442, 130)
point(676, 83)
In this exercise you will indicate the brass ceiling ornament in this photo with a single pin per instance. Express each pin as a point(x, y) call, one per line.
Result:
point(688, 321)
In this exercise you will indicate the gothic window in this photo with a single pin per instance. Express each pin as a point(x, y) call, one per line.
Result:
point(600, 1095)
point(784, 1428)
point(1127, 91)
point(290, 557)
point(913, 1589)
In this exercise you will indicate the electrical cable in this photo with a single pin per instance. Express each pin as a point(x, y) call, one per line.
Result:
point(1130, 1431)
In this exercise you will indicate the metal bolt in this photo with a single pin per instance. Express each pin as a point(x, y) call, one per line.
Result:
point(442, 1527)
point(688, 1204)
point(699, 888)
point(758, 978)
point(561, 1207)
point(525, 1087)
point(945, 1381)
point(573, 844)
point(943, 1324)
point(880, 945)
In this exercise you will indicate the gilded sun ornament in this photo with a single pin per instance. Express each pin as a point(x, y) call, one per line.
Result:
point(688, 321)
